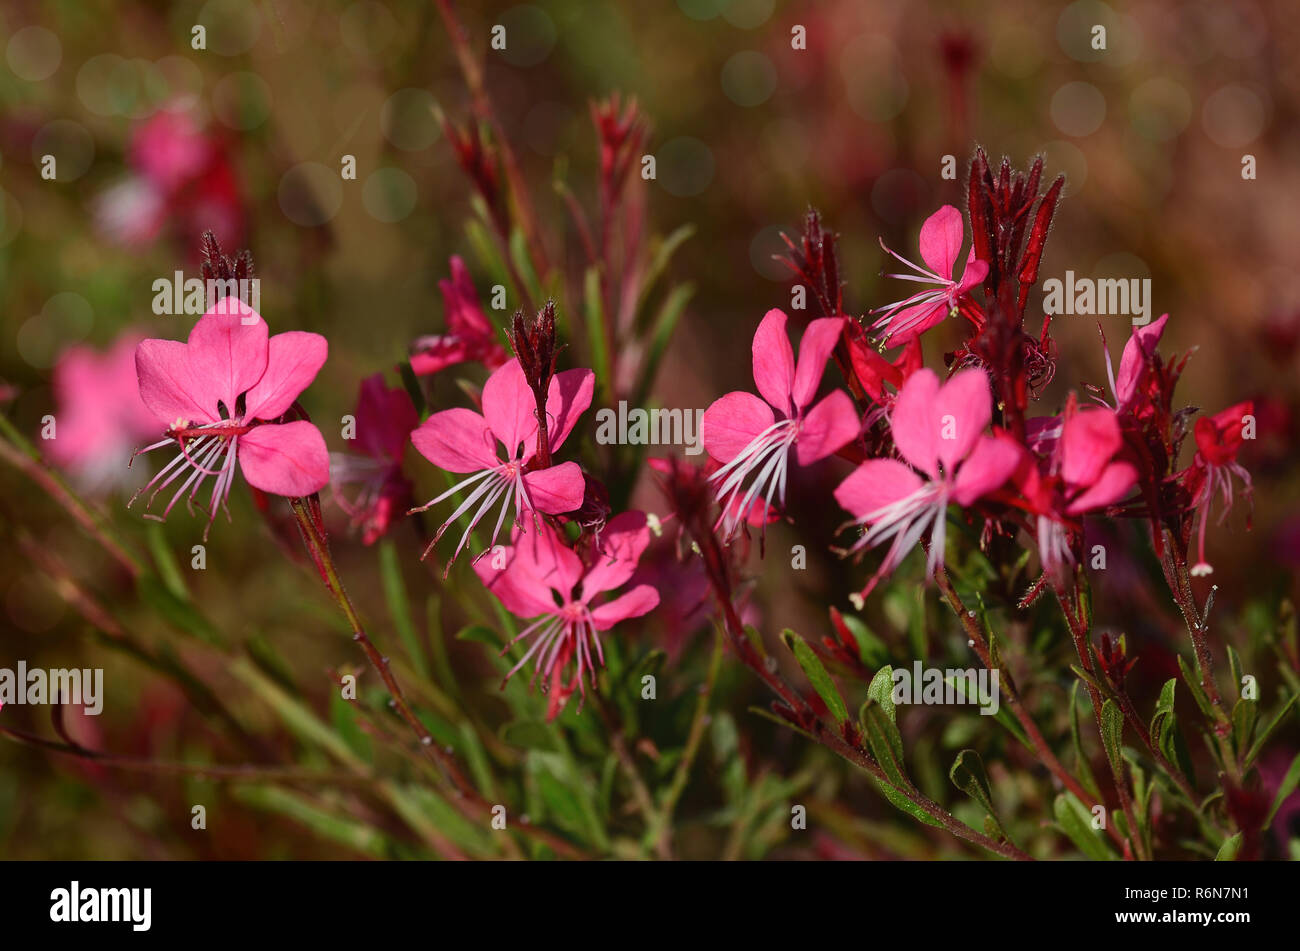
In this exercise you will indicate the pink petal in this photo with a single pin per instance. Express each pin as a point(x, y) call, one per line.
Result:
point(941, 238)
point(1141, 344)
point(973, 274)
point(516, 588)
point(457, 440)
point(434, 354)
point(557, 489)
point(622, 543)
point(167, 386)
point(732, 422)
point(908, 324)
point(293, 360)
point(774, 361)
point(814, 350)
point(287, 459)
point(510, 408)
point(875, 484)
point(227, 356)
point(828, 427)
point(385, 418)
point(567, 399)
point(962, 409)
point(1088, 440)
point(544, 561)
point(989, 464)
point(1110, 486)
point(640, 600)
point(464, 312)
point(912, 421)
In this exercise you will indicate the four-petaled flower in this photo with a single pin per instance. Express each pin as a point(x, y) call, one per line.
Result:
point(539, 577)
point(215, 396)
point(748, 435)
point(384, 420)
point(939, 431)
point(1219, 439)
point(460, 440)
point(941, 240)
point(470, 336)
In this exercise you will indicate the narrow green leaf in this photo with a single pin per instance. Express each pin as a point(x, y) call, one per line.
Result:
point(399, 608)
point(1112, 735)
point(1194, 687)
point(817, 675)
point(594, 314)
point(1244, 713)
point(884, 741)
point(1289, 783)
point(1075, 821)
point(1228, 851)
point(967, 774)
point(1082, 766)
point(881, 690)
point(1269, 730)
point(872, 651)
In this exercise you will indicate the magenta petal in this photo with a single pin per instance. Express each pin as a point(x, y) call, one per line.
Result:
point(515, 587)
point(828, 427)
point(941, 238)
point(464, 312)
point(457, 440)
point(914, 424)
point(293, 360)
point(541, 556)
point(385, 418)
point(774, 361)
point(1111, 485)
point(814, 350)
point(1088, 440)
point(640, 600)
point(510, 408)
point(287, 459)
point(962, 408)
point(622, 542)
point(875, 484)
point(557, 489)
point(167, 386)
point(227, 355)
point(732, 422)
point(989, 464)
point(1143, 343)
point(567, 399)
point(973, 274)
point(910, 322)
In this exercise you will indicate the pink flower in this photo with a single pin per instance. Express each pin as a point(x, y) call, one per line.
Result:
point(100, 418)
point(215, 395)
point(939, 431)
point(1085, 471)
point(182, 176)
point(1219, 439)
point(540, 578)
point(384, 420)
point(748, 435)
point(1131, 387)
point(941, 240)
point(460, 440)
point(470, 335)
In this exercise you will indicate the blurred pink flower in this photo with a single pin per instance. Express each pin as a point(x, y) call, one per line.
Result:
point(470, 335)
point(384, 420)
point(745, 434)
point(942, 236)
point(100, 418)
point(213, 394)
point(182, 175)
point(1219, 439)
point(939, 430)
point(460, 440)
point(543, 579)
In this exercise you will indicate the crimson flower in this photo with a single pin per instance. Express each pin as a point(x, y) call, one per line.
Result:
point(215, 396)
point(749, 435)
point(545, 580)
point(460, 440)
point(384, 420)
point(470, 336)
point(1219, 439)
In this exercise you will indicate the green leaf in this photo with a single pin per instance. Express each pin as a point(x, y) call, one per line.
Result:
point(594, 313)
point(1289, 783)
point(881, 690)
point(659, 261)
point(1244, 713)
point(168, 569)
point(1235, 668)
point(1075, 821)
point(567, 796)
point(182, 615)
point(968, 775)
point(1228, 851)
point(1112, 735)
point(817, 675)
point(481, 634)
point(1269, 730)
point(348, 832)
point(1194, 687)
point(529, 734)
point(1165, 735)
point(884, 741)
point(871, 649)
point(1082, 766)
point(399, 609)
point(906, 805)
